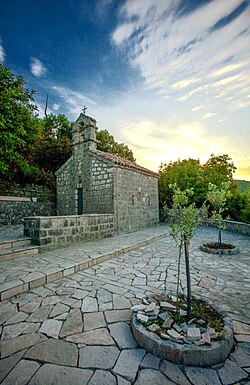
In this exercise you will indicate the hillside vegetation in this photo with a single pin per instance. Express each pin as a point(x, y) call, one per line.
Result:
point(243, 185)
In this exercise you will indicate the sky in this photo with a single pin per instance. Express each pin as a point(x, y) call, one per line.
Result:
point(170, 78)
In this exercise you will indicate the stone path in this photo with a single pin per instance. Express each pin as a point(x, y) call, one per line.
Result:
point(76, 330)
point(26, 273)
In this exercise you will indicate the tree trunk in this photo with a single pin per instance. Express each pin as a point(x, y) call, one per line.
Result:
point(178, 277)
point(189, 295)
point(46, 105)
point(219, 236)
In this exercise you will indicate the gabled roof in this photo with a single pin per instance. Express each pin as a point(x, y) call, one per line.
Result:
point(125, 163)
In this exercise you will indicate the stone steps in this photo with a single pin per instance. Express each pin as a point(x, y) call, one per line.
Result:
point(17, 248)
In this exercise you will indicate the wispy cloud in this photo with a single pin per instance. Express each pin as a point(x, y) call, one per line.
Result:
point(201, 51)
point(2, 52)
point(37, 68)
point(102, 8)
point(197, 108)
point(74, 101)
point(209, 115)
point(55, 107)
point(151, 150)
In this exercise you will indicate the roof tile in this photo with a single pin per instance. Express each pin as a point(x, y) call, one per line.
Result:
point(126, 163)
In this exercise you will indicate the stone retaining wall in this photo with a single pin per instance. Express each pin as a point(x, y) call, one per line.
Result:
point(55, 232)
point(41, 193)
point(236, 227)
point(12, 211)
point(17, 202)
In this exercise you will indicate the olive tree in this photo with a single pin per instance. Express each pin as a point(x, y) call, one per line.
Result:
point(217, 199)
point(184, 220)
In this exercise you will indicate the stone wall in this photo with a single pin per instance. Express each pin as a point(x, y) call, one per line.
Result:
point(136, 200)
point(100, 191)
point(41, 193)
point(55, 232)
point(13, 211)
point(94, 177)
point(65, 185)
point(236, 227)
point(17, 202)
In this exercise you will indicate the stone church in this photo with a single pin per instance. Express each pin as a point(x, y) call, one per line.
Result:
point(96, 182)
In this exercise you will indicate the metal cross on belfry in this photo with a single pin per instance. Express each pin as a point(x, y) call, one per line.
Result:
point(84, 109)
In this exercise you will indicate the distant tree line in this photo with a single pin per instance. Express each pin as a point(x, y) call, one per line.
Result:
point(191, 174)
point(33, 148)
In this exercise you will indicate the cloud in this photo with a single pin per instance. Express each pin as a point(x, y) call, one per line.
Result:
point(37, 68)
point(102, 8)
point(185, 83)
point(74, 101)
point(209, 115)
point(123, 32)
point(2, 52)
point(56, 107)
point(227, 69)
point(178, 140)
point(184, 55)
point(197, 108)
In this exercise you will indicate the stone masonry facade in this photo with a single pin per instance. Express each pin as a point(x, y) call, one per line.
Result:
point(94, 182)
point(136, 200)
point(56, 232)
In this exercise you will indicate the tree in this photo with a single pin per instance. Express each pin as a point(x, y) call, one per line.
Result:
point(190, 173)
point(245, 212)
point(32, 149)
point(218, 170)
point(18, 126)
point(107, 143)
point(185, 174)
point(57, 126)
point(52, 147)
point(236, 205)
point(217, 197)
point(184, 216)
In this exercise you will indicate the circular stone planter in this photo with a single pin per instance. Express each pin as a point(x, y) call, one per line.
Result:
point(208, 248)
point(193, 355)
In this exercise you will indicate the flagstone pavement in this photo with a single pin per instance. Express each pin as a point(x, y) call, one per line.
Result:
point(76, 330)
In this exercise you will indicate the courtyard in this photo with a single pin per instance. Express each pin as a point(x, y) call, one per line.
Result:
point(76, 330)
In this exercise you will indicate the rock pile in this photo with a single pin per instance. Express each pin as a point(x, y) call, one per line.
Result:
point(158, 317)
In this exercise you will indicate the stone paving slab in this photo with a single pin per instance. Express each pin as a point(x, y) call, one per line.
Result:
point(37, 270)
point(60, 375)
point(96, 346)
point(22, 373)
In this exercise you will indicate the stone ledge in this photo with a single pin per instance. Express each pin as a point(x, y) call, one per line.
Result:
point(15, 199)
point(233, 226)
point(211, 250)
